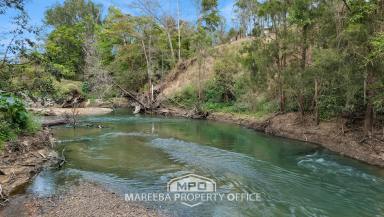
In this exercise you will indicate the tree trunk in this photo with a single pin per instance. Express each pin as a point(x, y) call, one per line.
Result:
point(368, 119)
point(301, 105)
point(148, 67)
point(316, 100)
point(281, 94)
point(282, 101)
point(365, 91)
point(303, 65)
point(178, 31)
point(170, 45)
point(304, 47)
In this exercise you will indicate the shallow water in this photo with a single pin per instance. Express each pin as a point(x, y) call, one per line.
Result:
point(141, 153)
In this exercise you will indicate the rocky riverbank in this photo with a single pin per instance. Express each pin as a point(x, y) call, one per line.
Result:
point(332, 135)
point(22, 159)
point(85, 199)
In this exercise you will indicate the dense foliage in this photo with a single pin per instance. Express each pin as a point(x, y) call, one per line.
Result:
point(318, 56)
point(321, 58)
point(14, 118)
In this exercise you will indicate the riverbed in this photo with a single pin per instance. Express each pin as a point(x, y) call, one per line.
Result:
point(140, 154)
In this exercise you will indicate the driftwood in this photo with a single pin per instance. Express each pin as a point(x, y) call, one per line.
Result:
point(75, 97)
point(130, 95)
point(62, 159)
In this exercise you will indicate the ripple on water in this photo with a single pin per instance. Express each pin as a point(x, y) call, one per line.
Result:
point(319, 164)
point(135, 134)
point(128, 158)
point(81, 139)
point(282, 188)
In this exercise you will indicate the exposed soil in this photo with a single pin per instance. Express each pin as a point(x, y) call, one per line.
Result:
point(331, 135)
point(186, 73)
point(85, 200)
point(21, 160)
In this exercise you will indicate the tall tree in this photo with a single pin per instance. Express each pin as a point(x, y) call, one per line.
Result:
point(209, 15)
point(304, 14)
point(153, 9)
point(70, 45)
point(362, 33)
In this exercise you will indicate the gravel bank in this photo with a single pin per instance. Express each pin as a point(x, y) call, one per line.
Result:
point(85, 200)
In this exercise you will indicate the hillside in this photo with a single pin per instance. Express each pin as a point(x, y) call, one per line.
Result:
point(186, 73)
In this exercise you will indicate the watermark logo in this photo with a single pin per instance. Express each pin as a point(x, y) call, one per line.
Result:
point(192, 190)
point(191, 183)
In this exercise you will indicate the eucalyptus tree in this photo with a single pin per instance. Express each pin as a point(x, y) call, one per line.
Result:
point(247, 15)
point(154, 10)
point(304, 14)
point(209, 17)
point(362, 39)
point(272, 45)
point(132, 48)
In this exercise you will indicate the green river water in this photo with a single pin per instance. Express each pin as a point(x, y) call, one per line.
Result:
point(142, 153)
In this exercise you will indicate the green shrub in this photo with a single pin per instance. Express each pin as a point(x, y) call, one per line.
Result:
point(6, 131)
point(213, 93)
point(85, 87)
point(65, 88)
point(222, 89)
point(329, 106)
point(188, 97)
point(14, 118)
point(1, 145)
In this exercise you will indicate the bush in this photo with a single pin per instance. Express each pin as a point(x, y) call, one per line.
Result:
point(213, 93)
point(329, 106)
point(64, 88)
point(223, 86)
point(85, 87)
point(187, 97)
point(5, 133)
point(255, 103)
point(14, 118)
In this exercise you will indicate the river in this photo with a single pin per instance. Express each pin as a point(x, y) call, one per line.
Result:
point(142, 153)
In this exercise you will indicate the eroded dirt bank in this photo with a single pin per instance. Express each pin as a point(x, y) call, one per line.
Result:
point(85, 199)
point(331, 135)
point(22, 159)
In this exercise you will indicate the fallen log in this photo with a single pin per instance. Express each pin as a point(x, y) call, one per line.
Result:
point(137, 109)
point(129, 94)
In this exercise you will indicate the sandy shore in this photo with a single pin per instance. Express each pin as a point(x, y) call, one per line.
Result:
point(85, 200)
point(69, 111)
